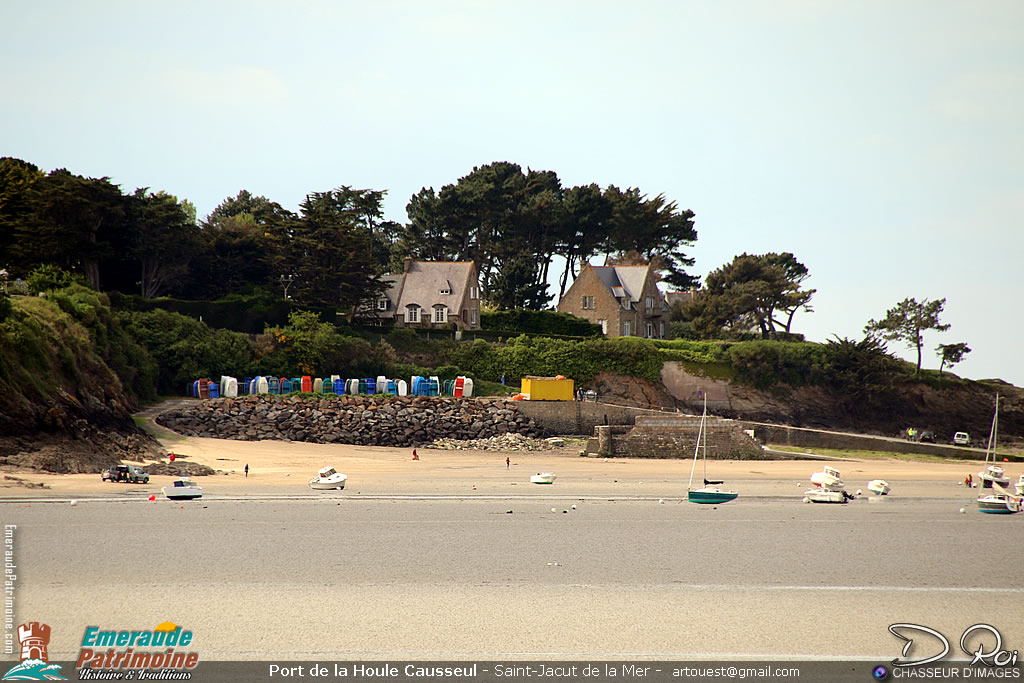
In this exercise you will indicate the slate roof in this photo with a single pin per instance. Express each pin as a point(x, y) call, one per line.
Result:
point(623, 281)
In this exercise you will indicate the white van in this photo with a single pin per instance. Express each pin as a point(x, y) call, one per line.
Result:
point(962, 439)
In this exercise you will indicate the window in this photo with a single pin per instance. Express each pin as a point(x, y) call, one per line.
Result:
point(447, 288)
point(588, 302)
point(412, 313)
point(604, 326)
point(472, 316)
point(650, 330)
point(627, 329)
point(440, 314)
point(661, 330)
point(649, 303)
point(382, 304)
point(474, 292)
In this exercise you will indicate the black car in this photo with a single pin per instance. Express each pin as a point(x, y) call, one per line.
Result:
point(927, 437)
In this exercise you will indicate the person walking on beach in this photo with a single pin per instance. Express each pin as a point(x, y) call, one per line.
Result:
point(508, 462)
point(246, 470)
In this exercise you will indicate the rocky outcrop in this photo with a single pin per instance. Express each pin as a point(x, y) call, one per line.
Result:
point(359, 420)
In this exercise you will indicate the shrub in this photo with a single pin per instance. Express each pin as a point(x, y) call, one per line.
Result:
point(539, 322)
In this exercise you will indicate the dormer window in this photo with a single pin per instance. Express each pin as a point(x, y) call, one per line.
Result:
point(446, 288)
point(382, 304)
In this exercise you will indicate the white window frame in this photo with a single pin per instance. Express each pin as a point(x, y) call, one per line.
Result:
point(440, 314)
point(382, 304)
point(412, 313)
point(472, 316)
point(588, 303)
point(627, 328)
point(661, 330)
point(604, 325)
point(649, 302)
point(474, 292)
point(650, 330)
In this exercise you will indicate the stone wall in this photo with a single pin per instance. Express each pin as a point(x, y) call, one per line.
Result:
point(362, 420)
point(676, 437)
point(580, 417)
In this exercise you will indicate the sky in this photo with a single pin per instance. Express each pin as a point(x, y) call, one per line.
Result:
point(880, 142)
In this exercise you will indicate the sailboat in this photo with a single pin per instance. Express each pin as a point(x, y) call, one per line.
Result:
point(1000, 501)
point(710, 493)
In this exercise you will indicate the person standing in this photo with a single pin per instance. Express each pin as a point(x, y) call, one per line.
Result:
point(246, 470)
point(508, 462)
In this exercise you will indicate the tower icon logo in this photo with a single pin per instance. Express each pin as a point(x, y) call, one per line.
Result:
point(34, 666)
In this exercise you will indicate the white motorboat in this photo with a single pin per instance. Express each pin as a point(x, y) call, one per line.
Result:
point(1020, 486)
point(828, 478)
point(328, 478)
point(1000, 503)
point(993, 474)
point(183, 489)
point(879, 487)
point(542, 478)
point(827, 495)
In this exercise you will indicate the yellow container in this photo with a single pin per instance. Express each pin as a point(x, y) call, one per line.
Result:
point(547, 389)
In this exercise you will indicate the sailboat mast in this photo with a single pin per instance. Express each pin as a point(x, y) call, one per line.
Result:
point(991, 449)
point(696, 449)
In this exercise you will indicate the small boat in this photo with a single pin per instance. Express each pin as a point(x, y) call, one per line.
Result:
point(542, 478)
point(828, 478)
point(827, 495)
point(183, 489)
point(1000, 503)
point(879, 487)
point(1020, 486)
point(328, 478)
point(709, 494)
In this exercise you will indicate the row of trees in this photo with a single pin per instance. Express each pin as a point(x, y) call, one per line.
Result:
point(509, 221)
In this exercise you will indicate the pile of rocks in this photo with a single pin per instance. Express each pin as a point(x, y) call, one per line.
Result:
point(362, 420)
point(504, 442)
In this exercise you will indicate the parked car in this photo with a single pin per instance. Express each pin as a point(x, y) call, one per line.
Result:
point(129, 473)
point(962, 439)
point(927, 437)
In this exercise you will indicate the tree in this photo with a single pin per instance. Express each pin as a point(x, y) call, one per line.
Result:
point(327, 251)
point(17, 179)
point(907, 322)
point(165, 237)
point(753, 291)
point(951, 354)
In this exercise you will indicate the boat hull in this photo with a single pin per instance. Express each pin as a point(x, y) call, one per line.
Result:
point(999, 505)
point(878, 487)
point(326, 485)
point(542, 478)
point(825, 496)
point(710, 496)
point(179, 495)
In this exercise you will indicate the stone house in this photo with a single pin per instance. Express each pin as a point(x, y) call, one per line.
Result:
point(624, 300)
point(431, 295)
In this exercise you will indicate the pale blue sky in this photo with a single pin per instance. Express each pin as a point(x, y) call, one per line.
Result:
point(879, 141)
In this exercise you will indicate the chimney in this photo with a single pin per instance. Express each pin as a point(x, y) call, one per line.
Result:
point(408, 264)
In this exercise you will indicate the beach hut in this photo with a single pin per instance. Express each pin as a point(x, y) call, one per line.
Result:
point(307, 384)
point(419, 386)
point(285, 385)
point(193, 388)
point(403, 388)
point(204, 388)
point(339, 385)
point(274, 385)
point(243, 387)
point(449, 387)
point(371, 386)
point(460, 387)
point(296, 385)
point(467, 390)
point(435, 386)
point(352, 386)
point(382, 384)
point(326, 386)
point(390, 387)
point(318, 385)
point(334, 378)
point(230, 388)
point(262, 385)
point(212, 390)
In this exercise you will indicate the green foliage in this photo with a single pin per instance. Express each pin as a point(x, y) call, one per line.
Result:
point(526, 321)
point(186, 349)
point(862, 373)
point(767, 363)
point(309, 346)
point(951, 354)
point(48, 277)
